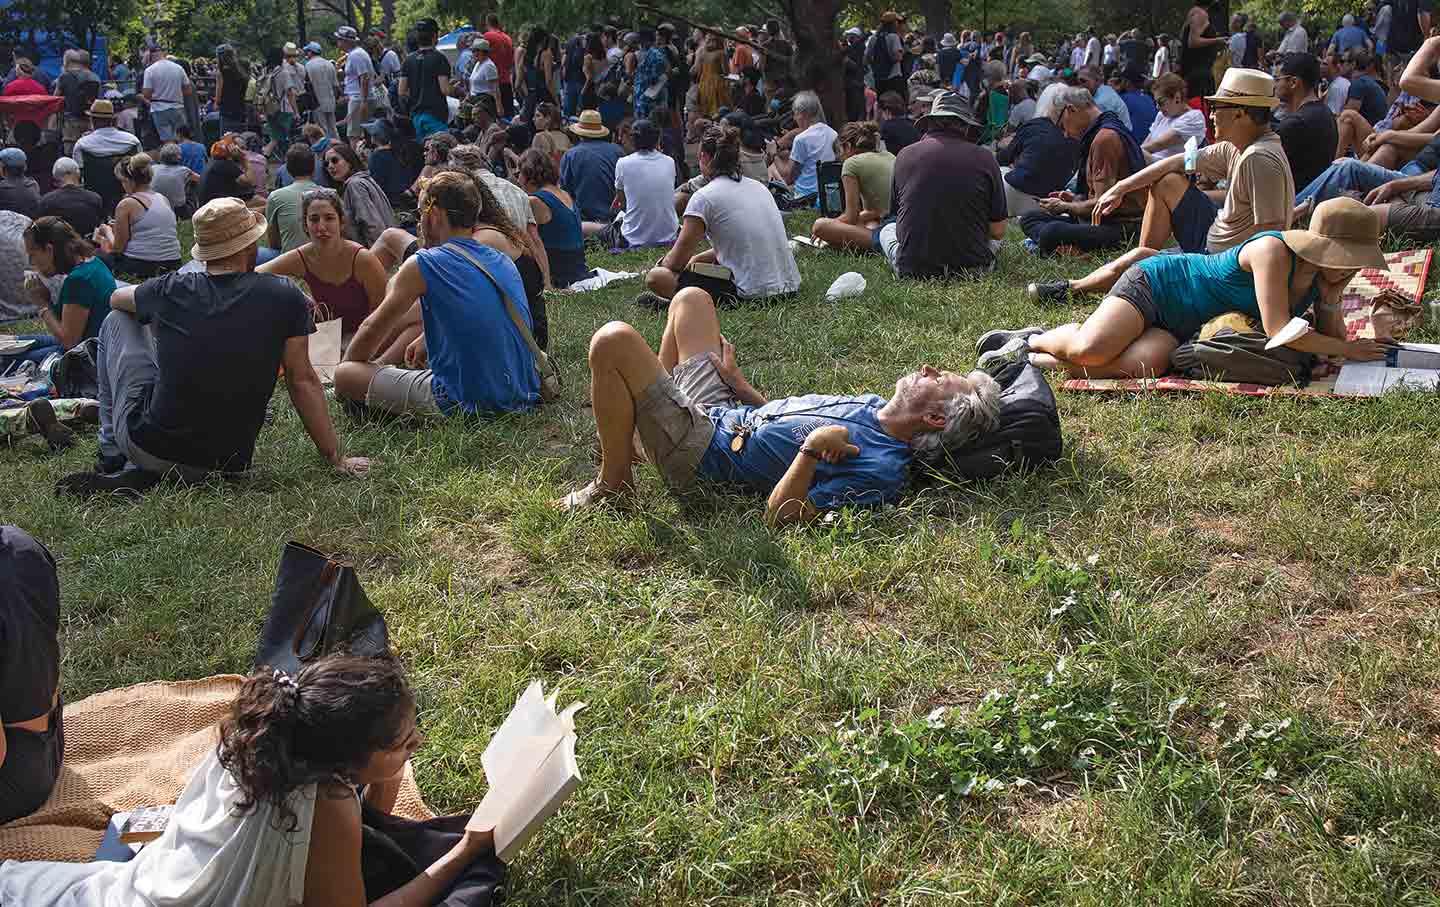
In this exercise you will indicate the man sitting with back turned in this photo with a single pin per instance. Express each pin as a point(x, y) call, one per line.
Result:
point(478, 362)
point(699, 419)
point(192, 399)
point(948, 198)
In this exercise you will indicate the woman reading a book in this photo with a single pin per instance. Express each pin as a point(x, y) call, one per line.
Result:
point(1154, 302)
point(32, 742)
point(272, 816)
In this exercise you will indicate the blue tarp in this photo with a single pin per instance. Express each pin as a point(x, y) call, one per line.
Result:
point(51, 49)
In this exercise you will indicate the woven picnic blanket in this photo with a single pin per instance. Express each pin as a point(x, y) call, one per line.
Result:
point(130, 747)
point(1408, 272)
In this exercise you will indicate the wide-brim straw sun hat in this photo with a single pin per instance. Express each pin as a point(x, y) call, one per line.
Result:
point(590, 125)
point(1343, 233)
point(223, 227)
point(1247, 88)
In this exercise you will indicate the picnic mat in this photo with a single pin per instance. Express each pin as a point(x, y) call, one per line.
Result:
point(1408, 272)
point(130, 747)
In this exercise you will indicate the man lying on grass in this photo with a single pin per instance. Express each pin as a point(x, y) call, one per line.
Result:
point(700, 420)
point(1153, 306)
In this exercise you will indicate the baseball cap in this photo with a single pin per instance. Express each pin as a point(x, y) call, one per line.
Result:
point(313, 48)
point(480, 44)
point(13, 157)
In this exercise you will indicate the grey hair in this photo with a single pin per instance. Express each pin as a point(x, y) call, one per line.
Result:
point(808, 103)
point(1347, 20)
point(170, 153)
point(1073, 96)
point(64, 166)
point(467, 157)
point(967, 417)
point(1047, 105)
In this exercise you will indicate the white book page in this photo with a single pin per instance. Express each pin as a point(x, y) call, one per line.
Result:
point(1360, 379)
point(538, 799)
point(520, 746)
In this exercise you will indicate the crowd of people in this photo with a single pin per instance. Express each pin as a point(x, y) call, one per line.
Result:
point(429, 206)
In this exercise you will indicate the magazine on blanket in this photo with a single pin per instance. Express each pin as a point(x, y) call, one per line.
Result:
point(531, 769)
point(1372, 379)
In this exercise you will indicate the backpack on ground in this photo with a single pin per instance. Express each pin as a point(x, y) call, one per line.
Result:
point(1240, 356)
point(1028, 435)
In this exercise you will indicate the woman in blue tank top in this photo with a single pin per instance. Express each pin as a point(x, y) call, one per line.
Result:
point(1164, 300)
point(556, 217)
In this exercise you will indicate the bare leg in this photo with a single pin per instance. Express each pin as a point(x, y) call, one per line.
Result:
point(842, 235)
point(352, 379)
point(390, 247)
point(692, 328)
point(591, 228)
point(1352, 129)
point(1165, 197)
point(661, 281)
point(1109, 330)
point(1103, 278)
point(1391, 157)
point(1147, 357)
point(622, 366)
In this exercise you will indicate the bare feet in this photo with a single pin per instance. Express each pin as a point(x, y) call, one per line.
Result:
point(591, 495)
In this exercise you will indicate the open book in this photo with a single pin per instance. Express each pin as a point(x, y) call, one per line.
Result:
point(530, 766)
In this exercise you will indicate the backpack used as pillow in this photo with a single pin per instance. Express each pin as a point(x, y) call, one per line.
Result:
point(1241, 357)
point(1028, 435)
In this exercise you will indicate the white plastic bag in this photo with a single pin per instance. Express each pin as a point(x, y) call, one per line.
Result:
point(851, 283)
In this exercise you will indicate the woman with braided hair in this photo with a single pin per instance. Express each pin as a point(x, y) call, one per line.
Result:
point(272, 816)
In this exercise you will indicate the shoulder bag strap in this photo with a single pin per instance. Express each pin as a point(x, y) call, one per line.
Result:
point(543, 365)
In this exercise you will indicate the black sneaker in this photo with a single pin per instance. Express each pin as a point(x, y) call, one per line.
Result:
point(42, 415)
point(993, 340)
point(653, 301)
point(105, 464)
point(130, 482)
point(1057, 293)
point(995, 361)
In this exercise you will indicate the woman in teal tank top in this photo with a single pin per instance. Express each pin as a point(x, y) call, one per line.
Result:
point(1164, 300)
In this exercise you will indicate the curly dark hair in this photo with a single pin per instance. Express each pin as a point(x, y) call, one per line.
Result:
point(537, 167)
point(338, 712)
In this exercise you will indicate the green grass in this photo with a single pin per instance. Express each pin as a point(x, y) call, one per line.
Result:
point(1211, 631)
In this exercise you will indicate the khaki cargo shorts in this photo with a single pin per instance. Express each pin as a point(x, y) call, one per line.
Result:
point(671, 418)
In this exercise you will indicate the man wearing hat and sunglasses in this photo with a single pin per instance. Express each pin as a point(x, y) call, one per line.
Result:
point(321, 75)
point(948, 199)
point(189, 396)
point(359, 77)
point(1260, 194)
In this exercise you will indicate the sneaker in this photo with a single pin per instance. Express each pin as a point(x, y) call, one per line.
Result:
point(652, 301)
point(1057, 293)
point(42, 416)
point(994, 340)
point(108, 463)
point(1031, 246)
point(995, 361)
point(129, 482)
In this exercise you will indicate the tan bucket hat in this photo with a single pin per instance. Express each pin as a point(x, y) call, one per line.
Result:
point(1343, 233)
point(223, 227)
point(1246, 87)
point(590, 125)
point(102, 109)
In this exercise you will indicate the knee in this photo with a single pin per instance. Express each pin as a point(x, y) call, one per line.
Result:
point(352, 380)
point(610, 341)
point(1171, 188)
point(689, 300)
point(1087, 350)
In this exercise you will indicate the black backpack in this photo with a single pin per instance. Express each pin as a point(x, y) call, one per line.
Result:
point(880, 61)
point(1028, 435)
point(1241, 357)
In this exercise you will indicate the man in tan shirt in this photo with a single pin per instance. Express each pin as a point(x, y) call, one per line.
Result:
point(1259, 193)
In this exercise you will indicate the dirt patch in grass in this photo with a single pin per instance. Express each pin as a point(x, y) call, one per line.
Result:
point(1057, 816)
point(482, 561)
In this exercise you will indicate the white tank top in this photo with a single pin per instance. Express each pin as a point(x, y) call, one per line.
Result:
point(207, 857)
point(152, 235)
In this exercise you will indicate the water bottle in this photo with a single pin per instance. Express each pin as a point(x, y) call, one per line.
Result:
point(1192, 157)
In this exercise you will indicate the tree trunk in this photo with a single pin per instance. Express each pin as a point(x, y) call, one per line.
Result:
point(387, 15)
point(937, 16)
point(819, 63)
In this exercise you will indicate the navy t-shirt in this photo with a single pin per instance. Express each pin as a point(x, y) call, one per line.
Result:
point(219, 343)
point(779, 428)
point(587, 172)
point(1371, 97)
point(1041, 157)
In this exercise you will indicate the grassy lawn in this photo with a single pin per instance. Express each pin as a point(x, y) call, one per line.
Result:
point(1197, 663)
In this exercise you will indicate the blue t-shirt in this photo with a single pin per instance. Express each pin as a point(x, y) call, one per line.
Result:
point(587, 172)
point(481, 363)
point(1142, 113)
point(1371, 97)
point(192, 155)
point(779, 428)
point(1191, 288)
point(1348, 36)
